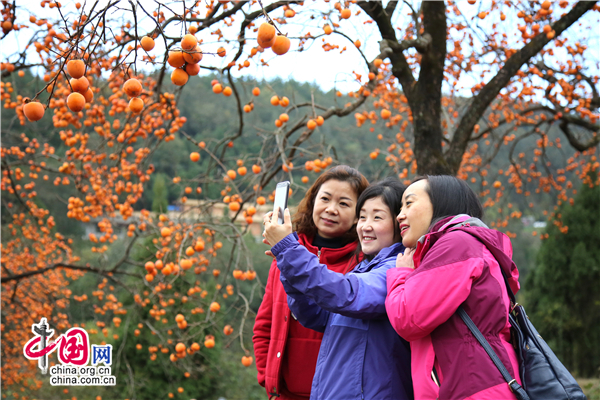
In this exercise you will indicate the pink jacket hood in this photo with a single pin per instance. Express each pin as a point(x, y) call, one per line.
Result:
point(497, 243)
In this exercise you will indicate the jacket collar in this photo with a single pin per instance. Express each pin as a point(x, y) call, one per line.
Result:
point(383, 254)
point(328, 256)
point(438, 229)
point(496, 242)
point(453, 222)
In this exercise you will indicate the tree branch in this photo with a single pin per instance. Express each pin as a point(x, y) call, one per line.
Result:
point(400, 67)
point(61, 265)
point(574, 141)
point(391, 6)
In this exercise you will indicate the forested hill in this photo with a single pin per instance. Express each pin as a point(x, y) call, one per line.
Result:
point(210, 117)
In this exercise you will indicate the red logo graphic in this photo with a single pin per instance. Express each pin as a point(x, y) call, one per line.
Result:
point(73, 347)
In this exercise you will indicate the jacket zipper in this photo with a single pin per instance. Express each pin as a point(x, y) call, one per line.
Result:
point(362, 371)
point(318, 258)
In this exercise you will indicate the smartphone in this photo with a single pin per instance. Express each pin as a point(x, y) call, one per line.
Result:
point(281, 197)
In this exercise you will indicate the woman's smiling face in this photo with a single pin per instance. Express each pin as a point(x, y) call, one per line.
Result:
point(416, 213)
point(375, 226)
point(334, 210)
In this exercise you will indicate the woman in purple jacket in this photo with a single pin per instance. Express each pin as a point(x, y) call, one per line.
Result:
point(361, 356)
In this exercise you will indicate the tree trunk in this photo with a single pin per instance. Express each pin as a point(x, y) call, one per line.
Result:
point(426, 102)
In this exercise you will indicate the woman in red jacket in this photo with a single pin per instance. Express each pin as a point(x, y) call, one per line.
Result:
point(286, 352)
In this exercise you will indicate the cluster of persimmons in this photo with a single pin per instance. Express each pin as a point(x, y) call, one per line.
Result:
point(108, 128)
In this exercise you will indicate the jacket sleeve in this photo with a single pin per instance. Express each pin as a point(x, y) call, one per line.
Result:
point(352, 295)
point(262, 327)
point(420, 300)
point(306, 311)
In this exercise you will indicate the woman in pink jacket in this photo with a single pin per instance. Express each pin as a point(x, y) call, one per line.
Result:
point(448, 263)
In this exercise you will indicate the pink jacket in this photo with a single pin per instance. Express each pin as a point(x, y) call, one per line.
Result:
point(452, 268)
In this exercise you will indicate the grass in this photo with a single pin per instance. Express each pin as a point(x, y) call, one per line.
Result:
point(591, 388)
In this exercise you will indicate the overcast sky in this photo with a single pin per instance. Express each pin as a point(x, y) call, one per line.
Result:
point(326, 69)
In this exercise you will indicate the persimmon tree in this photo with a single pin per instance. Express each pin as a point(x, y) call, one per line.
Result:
point(111, 116)
point(451, 86)
point(529, 82)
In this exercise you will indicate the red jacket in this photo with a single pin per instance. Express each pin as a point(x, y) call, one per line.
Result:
point(286, 352)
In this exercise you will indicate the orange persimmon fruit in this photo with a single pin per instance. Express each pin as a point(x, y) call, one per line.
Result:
point(193, 56)
point(89, 95)
point(132, 87)
point(188, 42)
point(33, 110)
point(136, 104)
point(214, 306)
point(209, 342)
point(281, 45)
point(192, 69)
point(76, 102)
point(176, 59)
point(147, 43)
point(179, 77)
point(80, 85)
point(247, 361)
point(76, 68)
point(266, 35)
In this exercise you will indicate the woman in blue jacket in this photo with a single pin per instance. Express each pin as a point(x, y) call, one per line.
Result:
point(361, 356)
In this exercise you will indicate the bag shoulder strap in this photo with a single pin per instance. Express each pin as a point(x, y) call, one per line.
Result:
point(512, 383)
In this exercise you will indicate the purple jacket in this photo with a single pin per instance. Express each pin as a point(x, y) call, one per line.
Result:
point(361, 356)
point(453, 267)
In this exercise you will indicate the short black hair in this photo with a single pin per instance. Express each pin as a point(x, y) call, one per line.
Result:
point(450, 196)
point(390, 190)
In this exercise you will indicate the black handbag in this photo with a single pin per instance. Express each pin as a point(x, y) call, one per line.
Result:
point(542, 374)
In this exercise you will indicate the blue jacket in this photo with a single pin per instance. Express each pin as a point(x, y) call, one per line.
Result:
point(361, 356)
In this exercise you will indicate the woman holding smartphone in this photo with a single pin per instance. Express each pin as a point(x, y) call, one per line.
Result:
point(361, 356)
point(286, 352)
